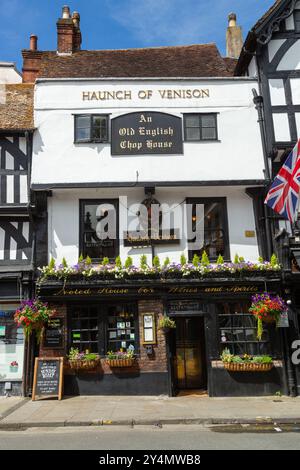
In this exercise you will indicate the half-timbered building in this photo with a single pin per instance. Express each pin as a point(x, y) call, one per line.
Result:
point(16, 236)
point(271, 53)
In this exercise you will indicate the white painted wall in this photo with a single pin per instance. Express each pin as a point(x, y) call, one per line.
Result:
point(295, 86)
point(63, 222)
point(273, 46)
point(277, 93)
point(291, 60)
point(281, 127)
point(238, 154)
point(252, 69)
point(9, 74)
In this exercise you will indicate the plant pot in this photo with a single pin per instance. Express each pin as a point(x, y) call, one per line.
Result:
point(82, 364)
point(120, 362)
point(247, 367)
point(166, 329)
point(13, 369)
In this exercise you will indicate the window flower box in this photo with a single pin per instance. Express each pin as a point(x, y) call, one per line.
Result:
point(246, 362)
point(82, 361)
point(120, 359)
point(247, 367)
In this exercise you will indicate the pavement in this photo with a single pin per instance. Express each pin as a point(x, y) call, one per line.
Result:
point(145, 410)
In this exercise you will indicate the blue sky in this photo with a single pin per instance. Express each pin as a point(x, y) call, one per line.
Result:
point(118, 24)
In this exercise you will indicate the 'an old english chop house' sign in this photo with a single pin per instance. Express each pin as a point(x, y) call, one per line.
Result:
point(146, 133)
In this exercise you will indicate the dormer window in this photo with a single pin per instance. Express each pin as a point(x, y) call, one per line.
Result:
point(91, 128)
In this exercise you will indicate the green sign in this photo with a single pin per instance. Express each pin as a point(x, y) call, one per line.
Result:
point(2, 331)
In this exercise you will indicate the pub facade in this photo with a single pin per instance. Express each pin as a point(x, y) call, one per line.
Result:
point(146, 171)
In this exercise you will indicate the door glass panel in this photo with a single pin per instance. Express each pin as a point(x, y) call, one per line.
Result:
point(190, 358)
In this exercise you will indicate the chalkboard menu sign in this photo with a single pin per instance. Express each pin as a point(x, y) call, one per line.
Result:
point(146, 133)
point(48, 377)
point(54, 334)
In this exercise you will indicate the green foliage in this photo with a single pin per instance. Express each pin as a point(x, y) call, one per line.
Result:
point(166, 322)
point(52, 263)
point(156, 262)
point(220, 259)
point(167, 262)
point(118, 262)
point(196, 260)
point(143, 262)
point(128, 262)
point(88, 261)
point(182, 259)
point(260, 259)
point(236, 259)
point(204, 259)
point(80, 259)
point(64, 263)
point(105, 261)
point(241, 259)
point(274, 261)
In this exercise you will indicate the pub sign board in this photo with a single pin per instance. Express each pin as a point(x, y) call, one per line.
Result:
point(146, 132)
point(48, 377)
point(54, 334)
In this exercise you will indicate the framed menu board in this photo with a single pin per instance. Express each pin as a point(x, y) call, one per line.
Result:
point(54, 334)
point(48, 377)
point(149, 328)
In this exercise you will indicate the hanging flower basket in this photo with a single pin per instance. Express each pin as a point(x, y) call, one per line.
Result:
point(166, 324)
point(267, 309)
point(33, 315)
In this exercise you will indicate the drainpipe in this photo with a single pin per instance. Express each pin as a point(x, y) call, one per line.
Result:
point(258, 102)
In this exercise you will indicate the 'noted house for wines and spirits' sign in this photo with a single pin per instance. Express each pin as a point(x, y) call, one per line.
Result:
point(146, 133)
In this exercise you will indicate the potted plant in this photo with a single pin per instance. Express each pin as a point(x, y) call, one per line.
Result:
point(267, 309)
point(246, 362)
point(120, 358)
point(80, 360)
point(33, 315)
point(166, 324)
point(14, 366)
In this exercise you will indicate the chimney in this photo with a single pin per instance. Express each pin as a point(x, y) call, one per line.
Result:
point(31, 61)
point(234, 38)
point(33, 42)
point(68, 32)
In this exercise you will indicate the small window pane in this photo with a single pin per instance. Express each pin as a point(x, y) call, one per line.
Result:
point(208, 121)
point(192, 121)
point(83, 134)
point(209, 133)
point(193, 133)
point(83, 121)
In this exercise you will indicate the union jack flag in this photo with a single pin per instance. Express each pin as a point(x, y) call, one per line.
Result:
point(283, 195)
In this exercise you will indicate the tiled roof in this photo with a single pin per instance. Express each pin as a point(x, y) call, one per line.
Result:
point(202, 60)
point(16, 107)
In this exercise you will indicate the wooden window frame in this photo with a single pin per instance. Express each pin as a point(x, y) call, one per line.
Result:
point(223, 202)
point(200, 115)
point(91, 139)
point(82, 204)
